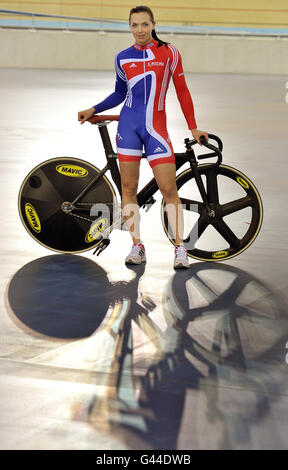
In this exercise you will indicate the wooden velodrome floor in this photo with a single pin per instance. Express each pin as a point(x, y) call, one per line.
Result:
point(98, 356)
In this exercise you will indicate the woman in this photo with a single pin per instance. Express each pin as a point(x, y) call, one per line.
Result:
point(143, 72)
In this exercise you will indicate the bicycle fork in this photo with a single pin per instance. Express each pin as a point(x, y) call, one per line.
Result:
point(199, 182)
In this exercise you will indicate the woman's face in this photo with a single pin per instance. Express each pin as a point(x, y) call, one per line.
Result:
point(141, 27)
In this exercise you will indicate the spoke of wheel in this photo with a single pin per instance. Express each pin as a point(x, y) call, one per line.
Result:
point(198, 312)
point(190, 205)
point(234, 290)
point(227, 233)
point(236, 205)
point(196, 231)
point(212, 187)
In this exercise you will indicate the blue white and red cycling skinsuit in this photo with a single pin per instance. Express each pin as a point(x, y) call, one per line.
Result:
point(142, 77)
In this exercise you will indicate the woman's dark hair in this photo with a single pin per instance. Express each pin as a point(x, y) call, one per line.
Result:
point(143, 8)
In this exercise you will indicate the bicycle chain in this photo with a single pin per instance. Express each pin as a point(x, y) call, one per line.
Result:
point(83, 204)
point(79, 217)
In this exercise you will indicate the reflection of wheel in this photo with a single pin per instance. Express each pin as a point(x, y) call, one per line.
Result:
point(46, 211)
point(228, 315)
point(60, 296)
point(233, 220)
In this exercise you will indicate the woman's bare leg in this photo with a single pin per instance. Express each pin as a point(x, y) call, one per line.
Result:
point(165, 175)
point(130, 210)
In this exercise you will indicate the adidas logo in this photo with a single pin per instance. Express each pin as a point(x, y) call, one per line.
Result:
point(132, 65)
point(158, 150)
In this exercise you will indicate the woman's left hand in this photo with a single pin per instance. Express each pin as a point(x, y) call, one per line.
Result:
point(197, 134)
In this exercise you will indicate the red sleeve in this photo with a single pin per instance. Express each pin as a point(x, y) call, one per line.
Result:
point(182, 90)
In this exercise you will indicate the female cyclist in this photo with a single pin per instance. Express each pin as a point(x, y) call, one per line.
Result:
point(143, 72)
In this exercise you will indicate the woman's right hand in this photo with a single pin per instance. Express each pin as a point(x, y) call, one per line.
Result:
point(84, 115)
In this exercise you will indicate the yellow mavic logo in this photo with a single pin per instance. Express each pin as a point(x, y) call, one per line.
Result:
point(220, 254)
point(242, 182)
point(72, 170)
point(32, 217)
point(96, 230)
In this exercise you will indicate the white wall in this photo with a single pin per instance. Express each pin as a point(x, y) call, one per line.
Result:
point(92, 50)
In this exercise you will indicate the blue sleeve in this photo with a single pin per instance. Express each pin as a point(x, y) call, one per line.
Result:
point(118, 95)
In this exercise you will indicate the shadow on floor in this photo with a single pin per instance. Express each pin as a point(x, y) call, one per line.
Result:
point(217, 359)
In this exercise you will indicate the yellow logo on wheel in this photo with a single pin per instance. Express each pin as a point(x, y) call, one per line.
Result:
point(96, 230)
point(32, 217)
point(242, 182)
point(220, 254)
point(72, 170)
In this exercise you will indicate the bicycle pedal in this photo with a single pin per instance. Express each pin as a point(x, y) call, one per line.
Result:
point(101, 247)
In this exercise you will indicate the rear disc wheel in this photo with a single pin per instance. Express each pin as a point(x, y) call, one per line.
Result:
point(46, 210)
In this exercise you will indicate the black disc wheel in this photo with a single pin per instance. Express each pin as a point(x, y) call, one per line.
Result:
point(47, 210)
point(228, 224)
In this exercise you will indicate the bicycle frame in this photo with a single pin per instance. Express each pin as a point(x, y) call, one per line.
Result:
point(145, 196)
point(201, 200)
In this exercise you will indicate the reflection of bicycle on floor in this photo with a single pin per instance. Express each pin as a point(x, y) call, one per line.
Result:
point(233, 317)
point(68, 205)
point(206, 344)
point(218, 331)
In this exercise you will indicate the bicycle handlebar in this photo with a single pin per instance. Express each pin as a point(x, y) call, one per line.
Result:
point(216, 150)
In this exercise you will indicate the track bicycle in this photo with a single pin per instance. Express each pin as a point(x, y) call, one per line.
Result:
point(70, 206)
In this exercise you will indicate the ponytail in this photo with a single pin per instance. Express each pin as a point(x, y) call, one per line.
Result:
point(160, 43)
